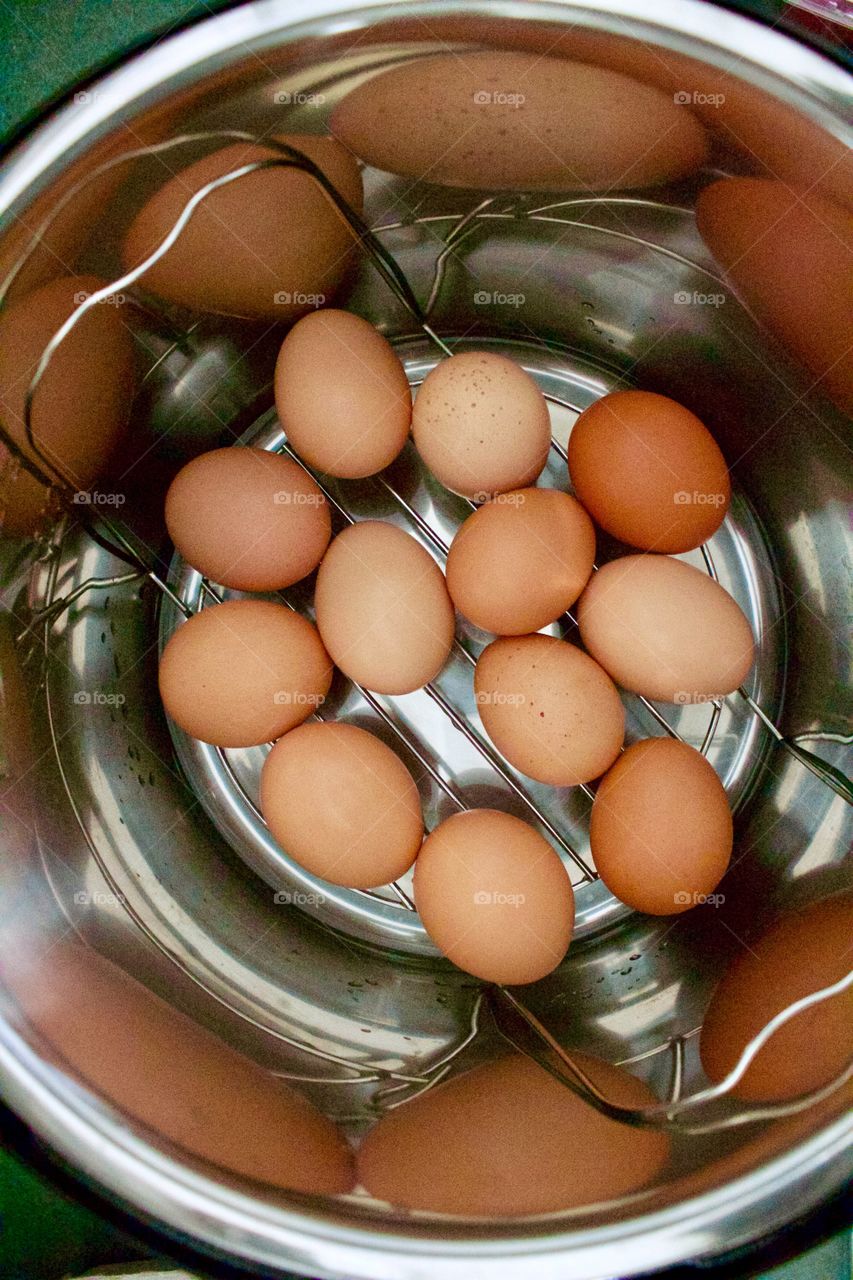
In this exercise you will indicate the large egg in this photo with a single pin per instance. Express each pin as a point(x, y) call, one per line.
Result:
point(649, 471)
point(248, 519)
point(83, 400)
point(521, 560)
point(351, 424)
point(507, 1139)
point(342, 804)
point(660, 828)
point(244, 672)
point(170, 1074)
point(481, 425)
point(549, 709)
point(494, 897)
point(383, 609)
point(803, 952)
point(518, 121)
point(771, 239)
point(665, 630)
point(267, 245)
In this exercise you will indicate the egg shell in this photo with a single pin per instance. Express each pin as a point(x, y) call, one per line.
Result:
point(267, 245)
point(248, 519)
point(769, 238)
point(521, 560)
point(170, 1074)
point(340, 802)
point(660, 828)
point(481, 425)
point(802, 952)
point(244, 672)
point(512, 121)
point(665, 630)
point(506, 1139)
point(648, 471)
point(82, 403)
point(382, 608)
point(494, 897)
point(549, 709)
point(355, 423)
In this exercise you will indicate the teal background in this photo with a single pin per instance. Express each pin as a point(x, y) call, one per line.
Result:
point(46, 47)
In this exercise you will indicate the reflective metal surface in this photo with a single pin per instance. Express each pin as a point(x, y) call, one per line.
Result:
point(149, 845)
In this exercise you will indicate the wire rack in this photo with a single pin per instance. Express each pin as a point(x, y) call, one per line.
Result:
point(700, 1112)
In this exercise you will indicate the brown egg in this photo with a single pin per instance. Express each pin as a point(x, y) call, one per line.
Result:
point(803, 952)
point(507, 1139)
point(518, 121)
point(268, 245)
point(521, 560)
point(244, 672)
point(660, 827)
point(769, 238)
point(354, 423)
point(665, 630)
point(648, 471)
point(549, 709)
point(248, 519)
point(83, 401)
point(168, 1073)
point(342, 804)
point(481, 425)
point(383, 609)
point(494, 897)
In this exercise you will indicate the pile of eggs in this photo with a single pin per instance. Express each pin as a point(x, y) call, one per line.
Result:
point(491, 891)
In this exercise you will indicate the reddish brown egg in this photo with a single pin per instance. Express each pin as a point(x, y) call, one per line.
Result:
point(494, 897)
point(354, 423)
point(521, 560)
point(342, 804)
point(660, 828)
point(248, 519)
point(648, 471)
point(549, 709)
point(244, 672)
point(270, 244)
point(507, 1139)
point(803, 952)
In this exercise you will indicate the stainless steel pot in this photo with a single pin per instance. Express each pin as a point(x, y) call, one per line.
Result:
point(139, 844)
